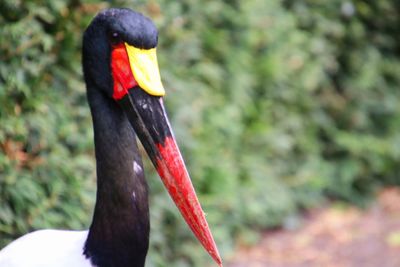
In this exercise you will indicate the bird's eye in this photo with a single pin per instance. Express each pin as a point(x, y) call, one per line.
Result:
point(115, 38)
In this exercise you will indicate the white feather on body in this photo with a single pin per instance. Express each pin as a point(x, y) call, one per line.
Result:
point(46, 248)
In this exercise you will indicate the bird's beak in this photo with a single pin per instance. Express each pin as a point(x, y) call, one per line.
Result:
point(138, 90)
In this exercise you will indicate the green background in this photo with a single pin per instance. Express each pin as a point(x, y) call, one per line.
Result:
point(278, 106)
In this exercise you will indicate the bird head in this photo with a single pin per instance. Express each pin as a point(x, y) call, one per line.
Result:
point(119, 59)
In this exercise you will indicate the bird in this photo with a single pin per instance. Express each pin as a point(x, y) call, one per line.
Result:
point(125, 96)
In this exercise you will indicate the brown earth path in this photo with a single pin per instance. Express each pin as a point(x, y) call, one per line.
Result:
point(333, 237)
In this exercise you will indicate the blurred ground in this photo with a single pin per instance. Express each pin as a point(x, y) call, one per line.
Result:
point(334, 237)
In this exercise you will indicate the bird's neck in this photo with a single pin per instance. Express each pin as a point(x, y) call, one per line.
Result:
point(119, 234)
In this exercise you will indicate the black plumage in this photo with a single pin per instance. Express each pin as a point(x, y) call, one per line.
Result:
point(119, 234)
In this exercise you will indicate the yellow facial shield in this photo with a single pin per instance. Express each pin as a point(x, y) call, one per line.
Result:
point(144, 67)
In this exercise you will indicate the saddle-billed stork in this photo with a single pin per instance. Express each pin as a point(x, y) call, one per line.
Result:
point(124, 91)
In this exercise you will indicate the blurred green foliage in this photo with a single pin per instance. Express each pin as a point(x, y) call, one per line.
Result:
point(277, 105)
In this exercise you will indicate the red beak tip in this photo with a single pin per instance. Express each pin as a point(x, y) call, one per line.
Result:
point(217, 258)
point(175, 177)
point(219, 262)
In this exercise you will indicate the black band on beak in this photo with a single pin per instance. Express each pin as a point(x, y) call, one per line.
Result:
point(147, 116)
